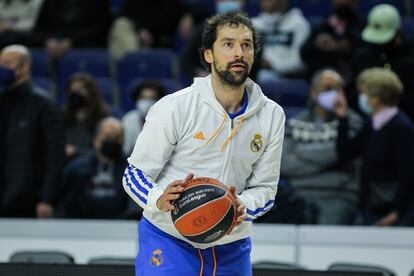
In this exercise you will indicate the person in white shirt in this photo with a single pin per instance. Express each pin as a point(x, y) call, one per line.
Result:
point(284, 31)
point(222, 127)
point(145, 94)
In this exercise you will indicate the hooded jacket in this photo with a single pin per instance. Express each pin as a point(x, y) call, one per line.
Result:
point(190, 132)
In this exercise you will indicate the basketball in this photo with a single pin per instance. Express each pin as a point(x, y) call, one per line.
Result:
point(205, 211)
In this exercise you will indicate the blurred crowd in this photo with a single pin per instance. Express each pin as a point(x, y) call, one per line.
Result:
point(348, 154)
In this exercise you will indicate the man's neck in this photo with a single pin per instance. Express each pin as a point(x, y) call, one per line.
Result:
point(230, 97)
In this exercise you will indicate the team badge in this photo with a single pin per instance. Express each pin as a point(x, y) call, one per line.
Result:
point(156, 259)
point(256, 143)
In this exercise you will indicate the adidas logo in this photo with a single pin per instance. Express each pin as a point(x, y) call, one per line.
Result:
point(199, 136)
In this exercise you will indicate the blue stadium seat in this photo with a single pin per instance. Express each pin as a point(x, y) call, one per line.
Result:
point(292, 111)
point(252, 7)
point(287, 93)
point(107, 88)
point(171, 86)
point(149, 63)
point(40, 63)
point(407, 27)
point(93, 61)
point(312, 7)
point(43, 83)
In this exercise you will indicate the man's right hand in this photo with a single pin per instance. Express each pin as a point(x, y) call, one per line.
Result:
point(171, 193)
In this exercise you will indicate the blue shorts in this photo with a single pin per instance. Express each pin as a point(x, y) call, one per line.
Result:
point(161, 254)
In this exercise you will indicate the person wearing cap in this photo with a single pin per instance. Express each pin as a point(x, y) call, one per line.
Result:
point(385, 46)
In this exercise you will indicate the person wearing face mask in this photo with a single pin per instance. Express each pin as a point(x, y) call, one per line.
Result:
point(144, 95)
point(332, 43)
point(84, 107)
point(385, 46)
point(31, 141)
point(385, 145)
point(93, 181)
point(310, 163)
point(283, 31)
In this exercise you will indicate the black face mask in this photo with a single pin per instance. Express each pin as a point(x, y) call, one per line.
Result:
point(345, 12)
point(111, 149)
point(76, 100)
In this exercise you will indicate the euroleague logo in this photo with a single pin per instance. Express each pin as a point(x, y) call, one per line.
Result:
point(156, 259)
point(256, 144)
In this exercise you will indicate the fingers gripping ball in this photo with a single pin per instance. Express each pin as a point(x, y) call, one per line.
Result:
point(205, 211)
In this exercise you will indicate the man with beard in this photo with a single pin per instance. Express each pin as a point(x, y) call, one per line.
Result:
point(221, 127)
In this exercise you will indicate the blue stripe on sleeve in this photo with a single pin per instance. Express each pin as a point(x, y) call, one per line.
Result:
point(260, 209)
point(141, 198)
point(136, 183)
point(140, 175)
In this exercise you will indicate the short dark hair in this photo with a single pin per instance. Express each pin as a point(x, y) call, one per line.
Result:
point(233, 18)
point(153, 84)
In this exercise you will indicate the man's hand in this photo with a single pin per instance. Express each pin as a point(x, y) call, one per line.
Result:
point(240, 209)
point(44, 210)
point(388, 220)
point(171, 193)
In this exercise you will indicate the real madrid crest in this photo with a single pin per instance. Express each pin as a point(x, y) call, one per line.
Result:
point(156, 259)
point(256, 143)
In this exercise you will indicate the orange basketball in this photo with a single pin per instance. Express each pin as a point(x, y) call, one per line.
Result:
point(205, 211)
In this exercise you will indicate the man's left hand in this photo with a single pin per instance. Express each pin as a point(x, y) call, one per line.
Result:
point(240, 209)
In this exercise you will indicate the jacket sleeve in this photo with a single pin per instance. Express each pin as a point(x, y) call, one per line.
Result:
point(51, 123)
point(152, 151)
point(261, 186)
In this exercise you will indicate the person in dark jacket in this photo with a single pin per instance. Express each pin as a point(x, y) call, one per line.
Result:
point(31, 141)
point(386, 146)
point(331, 43)
point(385, 46)
point(93, 181)
point(65, 24)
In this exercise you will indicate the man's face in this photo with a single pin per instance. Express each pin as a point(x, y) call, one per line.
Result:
point(108, 131)
point(232, 55)
point(13, 61)
point(328, 81)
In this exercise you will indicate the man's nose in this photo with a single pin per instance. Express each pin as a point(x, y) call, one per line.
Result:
point(238, 51)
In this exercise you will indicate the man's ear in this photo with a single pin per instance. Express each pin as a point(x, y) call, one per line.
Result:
point(208, 55)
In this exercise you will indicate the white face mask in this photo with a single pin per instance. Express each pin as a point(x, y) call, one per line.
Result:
point(144, 105)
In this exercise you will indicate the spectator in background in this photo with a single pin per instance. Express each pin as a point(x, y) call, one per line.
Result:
point(386, 47)
point(284, 31)
point(150, 24)
point(31, 142)
point(17, 18)
point(386, 146)
point(67, 24)
point(144, 95)
point(84, 108)
point(309, 160)
point(331, 44)
point(93, 181)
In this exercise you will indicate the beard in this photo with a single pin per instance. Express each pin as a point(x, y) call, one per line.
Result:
point(231, 78)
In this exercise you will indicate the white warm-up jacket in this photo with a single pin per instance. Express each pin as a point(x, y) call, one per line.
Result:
point(190, 132)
